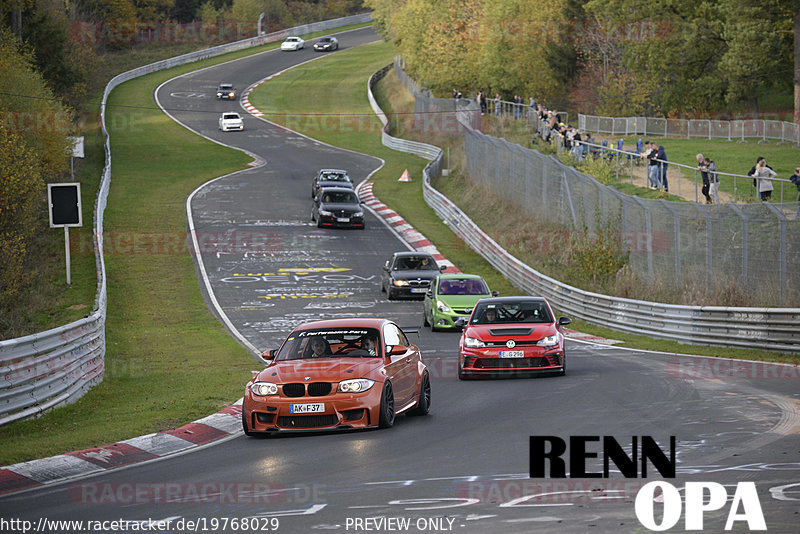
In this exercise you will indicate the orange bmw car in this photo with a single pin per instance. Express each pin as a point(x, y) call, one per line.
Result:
point(507, 335)
point(337, 374)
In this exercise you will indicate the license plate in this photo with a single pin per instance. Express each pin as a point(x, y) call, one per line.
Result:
point(512, 354)
point(317, 407)
point(343, 219)
point(419, 289)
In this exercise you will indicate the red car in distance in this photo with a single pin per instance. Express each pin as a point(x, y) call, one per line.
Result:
point(506, 335)
point(337, 374)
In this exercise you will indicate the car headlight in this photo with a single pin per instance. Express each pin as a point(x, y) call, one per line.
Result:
point(231, 94)
point(549, 341)
point(355, 385)
point(400, 283)
point(442, 307)
point(473, 343)
point(219, 94)
point(264, 388)
point(358, 214)
point(326, 213)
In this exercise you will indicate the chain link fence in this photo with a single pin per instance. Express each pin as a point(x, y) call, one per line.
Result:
point(752, 246)
point(784, 132)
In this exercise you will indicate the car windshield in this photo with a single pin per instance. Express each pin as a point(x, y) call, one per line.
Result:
point(520, 311)
point(415, 263)
point(229, 116)
point(339, 197)
point(224, 87)
point(334, 177)
point(331, 343)
point(292, 40)
point(462, 286)
point(325, 40)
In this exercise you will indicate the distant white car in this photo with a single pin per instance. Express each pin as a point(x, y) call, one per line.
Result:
point(293, 43)
point(230, 120)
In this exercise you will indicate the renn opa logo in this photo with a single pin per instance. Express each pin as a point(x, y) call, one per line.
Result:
point(546, 461)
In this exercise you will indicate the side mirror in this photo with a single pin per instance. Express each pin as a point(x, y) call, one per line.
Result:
point(429, 294)
point(398, 350)
point(495, 293)
point(461, 322)
point(386, 266)
point(442, 268)
point(564, 321)
point(269, 355)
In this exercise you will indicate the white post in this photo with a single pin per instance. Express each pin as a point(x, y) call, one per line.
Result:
point(66, 249)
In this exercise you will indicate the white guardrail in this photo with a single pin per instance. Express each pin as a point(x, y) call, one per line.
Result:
point(758, 328)
point(48, 369)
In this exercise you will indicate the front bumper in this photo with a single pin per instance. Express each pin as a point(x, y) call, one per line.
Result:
point(332, 221)
point(342, 411)
point(232, 128)
point(487, 361)
point(445, 320)
point(410, 292)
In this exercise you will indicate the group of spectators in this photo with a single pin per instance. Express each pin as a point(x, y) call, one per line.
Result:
point(762, 179)
point(552, 129)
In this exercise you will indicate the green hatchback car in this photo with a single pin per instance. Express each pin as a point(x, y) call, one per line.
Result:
point(452, 296)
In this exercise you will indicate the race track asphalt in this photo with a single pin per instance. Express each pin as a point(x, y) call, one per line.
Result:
point(465, 466)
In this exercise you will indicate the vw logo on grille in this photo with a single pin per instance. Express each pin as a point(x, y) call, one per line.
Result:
point(510, 344)
point(468, 310)
point(306, 378)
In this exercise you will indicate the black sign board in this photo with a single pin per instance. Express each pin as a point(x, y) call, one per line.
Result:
point(64, 201)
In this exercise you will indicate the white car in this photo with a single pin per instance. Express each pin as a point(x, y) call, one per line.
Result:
point(293, 43)
point(230, 120)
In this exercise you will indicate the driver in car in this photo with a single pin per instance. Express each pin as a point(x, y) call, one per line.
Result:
point(319, 347)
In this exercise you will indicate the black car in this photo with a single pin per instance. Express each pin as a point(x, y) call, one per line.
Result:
point(409, 274)
point(226, 91)
point(326, 44)
point(337, 206)
point(330, 178)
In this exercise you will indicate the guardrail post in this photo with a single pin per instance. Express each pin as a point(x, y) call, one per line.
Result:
point(709, 255)
point(782, 219)
point(744, 218)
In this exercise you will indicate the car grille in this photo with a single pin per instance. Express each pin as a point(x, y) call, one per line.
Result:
point(419, 283)
point(518, 343)
point(294, 390)
point(462, 311)
point(510, 363)
point(315, 389)
point(308, 421)
point(319, 389)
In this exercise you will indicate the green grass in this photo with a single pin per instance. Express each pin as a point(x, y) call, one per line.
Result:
point(168, 360)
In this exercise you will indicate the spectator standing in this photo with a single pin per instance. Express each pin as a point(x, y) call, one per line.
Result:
point(455, 93)
point(795, 179)
point(752, 171)
point(713, 178)
point(701, 166)
point(661, 154)
point(763, 175)
point(532, 108)
point(481, 102)
point(497, 104)
point(652, 165)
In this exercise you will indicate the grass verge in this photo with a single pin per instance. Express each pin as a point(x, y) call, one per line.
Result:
point(168, 360)
point(350, 99)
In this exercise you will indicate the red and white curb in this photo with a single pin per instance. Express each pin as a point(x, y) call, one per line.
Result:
point(407, 233)
point(36, 473)
point(580, 336)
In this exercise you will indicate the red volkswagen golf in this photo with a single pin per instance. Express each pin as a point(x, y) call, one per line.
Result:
point(512, 335)
point(337, 374)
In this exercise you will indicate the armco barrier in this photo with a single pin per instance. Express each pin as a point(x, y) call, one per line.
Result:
point(757, 328)
point(56, 367)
